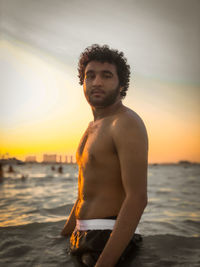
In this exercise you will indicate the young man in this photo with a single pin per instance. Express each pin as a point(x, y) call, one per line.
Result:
point(112, 158)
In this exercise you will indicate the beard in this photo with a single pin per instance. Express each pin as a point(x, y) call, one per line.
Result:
point(106, 100)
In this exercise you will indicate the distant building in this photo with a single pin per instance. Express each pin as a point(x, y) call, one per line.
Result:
point(49, 158)
point(11, 161)
point(69, 159)
point(184, 162)
point(30, 159)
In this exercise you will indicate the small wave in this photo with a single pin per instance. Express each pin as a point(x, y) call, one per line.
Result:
point(65, 209)
point(61, 210)
point(28, 226)
point(40, 244)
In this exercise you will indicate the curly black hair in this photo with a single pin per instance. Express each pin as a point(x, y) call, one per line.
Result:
point(105, 54)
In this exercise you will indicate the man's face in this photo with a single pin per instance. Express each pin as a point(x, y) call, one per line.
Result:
point(101, 84)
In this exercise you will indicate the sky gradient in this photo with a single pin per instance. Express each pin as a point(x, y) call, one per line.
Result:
point(42, 106)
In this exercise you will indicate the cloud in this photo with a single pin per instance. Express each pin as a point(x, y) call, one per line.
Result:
point(159, 38)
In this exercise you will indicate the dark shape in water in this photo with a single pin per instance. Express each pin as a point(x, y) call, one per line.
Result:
point(60, 169)
point(10, 168)
point(24, 177)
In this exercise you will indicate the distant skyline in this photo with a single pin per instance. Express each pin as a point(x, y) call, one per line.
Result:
point(42, 106)
point(67, 158)
point(71, 159)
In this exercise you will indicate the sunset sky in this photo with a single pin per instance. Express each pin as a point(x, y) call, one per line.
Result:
point(42, 106)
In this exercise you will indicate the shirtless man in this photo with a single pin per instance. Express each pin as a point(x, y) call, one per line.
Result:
point(112, 159)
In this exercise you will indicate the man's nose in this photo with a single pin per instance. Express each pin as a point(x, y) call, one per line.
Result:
point(97, 80)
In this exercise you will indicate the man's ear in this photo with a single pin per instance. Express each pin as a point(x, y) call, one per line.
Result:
point(121, 89)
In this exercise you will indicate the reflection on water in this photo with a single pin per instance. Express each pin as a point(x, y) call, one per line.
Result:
point(173, 193)
point(173, 205)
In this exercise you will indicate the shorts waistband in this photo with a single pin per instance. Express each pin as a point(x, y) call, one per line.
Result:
point(97, 224)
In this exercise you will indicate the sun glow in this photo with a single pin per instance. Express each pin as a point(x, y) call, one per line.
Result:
point(43, 109)
point(39, 104)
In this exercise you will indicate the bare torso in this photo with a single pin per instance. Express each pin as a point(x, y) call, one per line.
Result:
point(101, 192)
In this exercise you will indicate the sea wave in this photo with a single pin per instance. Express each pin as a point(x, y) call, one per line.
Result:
point(40, 244)
point(60, 210)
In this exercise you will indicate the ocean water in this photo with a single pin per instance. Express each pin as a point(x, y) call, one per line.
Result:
point(36, 200)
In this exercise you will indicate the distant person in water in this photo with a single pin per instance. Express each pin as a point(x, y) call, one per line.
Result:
point(60, 169)
point(24, 177)
point(10, 169)
point(112, 158)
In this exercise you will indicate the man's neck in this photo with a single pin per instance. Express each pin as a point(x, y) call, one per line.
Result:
point(102, 112)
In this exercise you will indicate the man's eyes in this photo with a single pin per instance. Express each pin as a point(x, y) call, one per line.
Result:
point(107, 75)
point(90, 76)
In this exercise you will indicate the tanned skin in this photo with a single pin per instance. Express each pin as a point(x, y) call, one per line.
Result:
point(112, 158)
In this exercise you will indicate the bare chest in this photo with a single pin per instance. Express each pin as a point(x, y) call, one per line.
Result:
point(95, 145)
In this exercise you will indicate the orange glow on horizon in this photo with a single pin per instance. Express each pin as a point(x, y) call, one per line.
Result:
point(45, 111)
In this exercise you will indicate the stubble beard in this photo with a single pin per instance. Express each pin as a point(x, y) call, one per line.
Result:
point(106, 101)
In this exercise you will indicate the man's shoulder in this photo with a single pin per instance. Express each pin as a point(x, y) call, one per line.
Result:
point(128, 119)
point(128, 125)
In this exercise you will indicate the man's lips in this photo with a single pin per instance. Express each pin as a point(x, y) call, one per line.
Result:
point(97, 92)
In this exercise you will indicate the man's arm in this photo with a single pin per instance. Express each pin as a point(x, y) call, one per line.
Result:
point(70, 223)
point(130, 139)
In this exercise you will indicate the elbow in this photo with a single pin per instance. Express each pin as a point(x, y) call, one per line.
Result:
point(140, 199)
